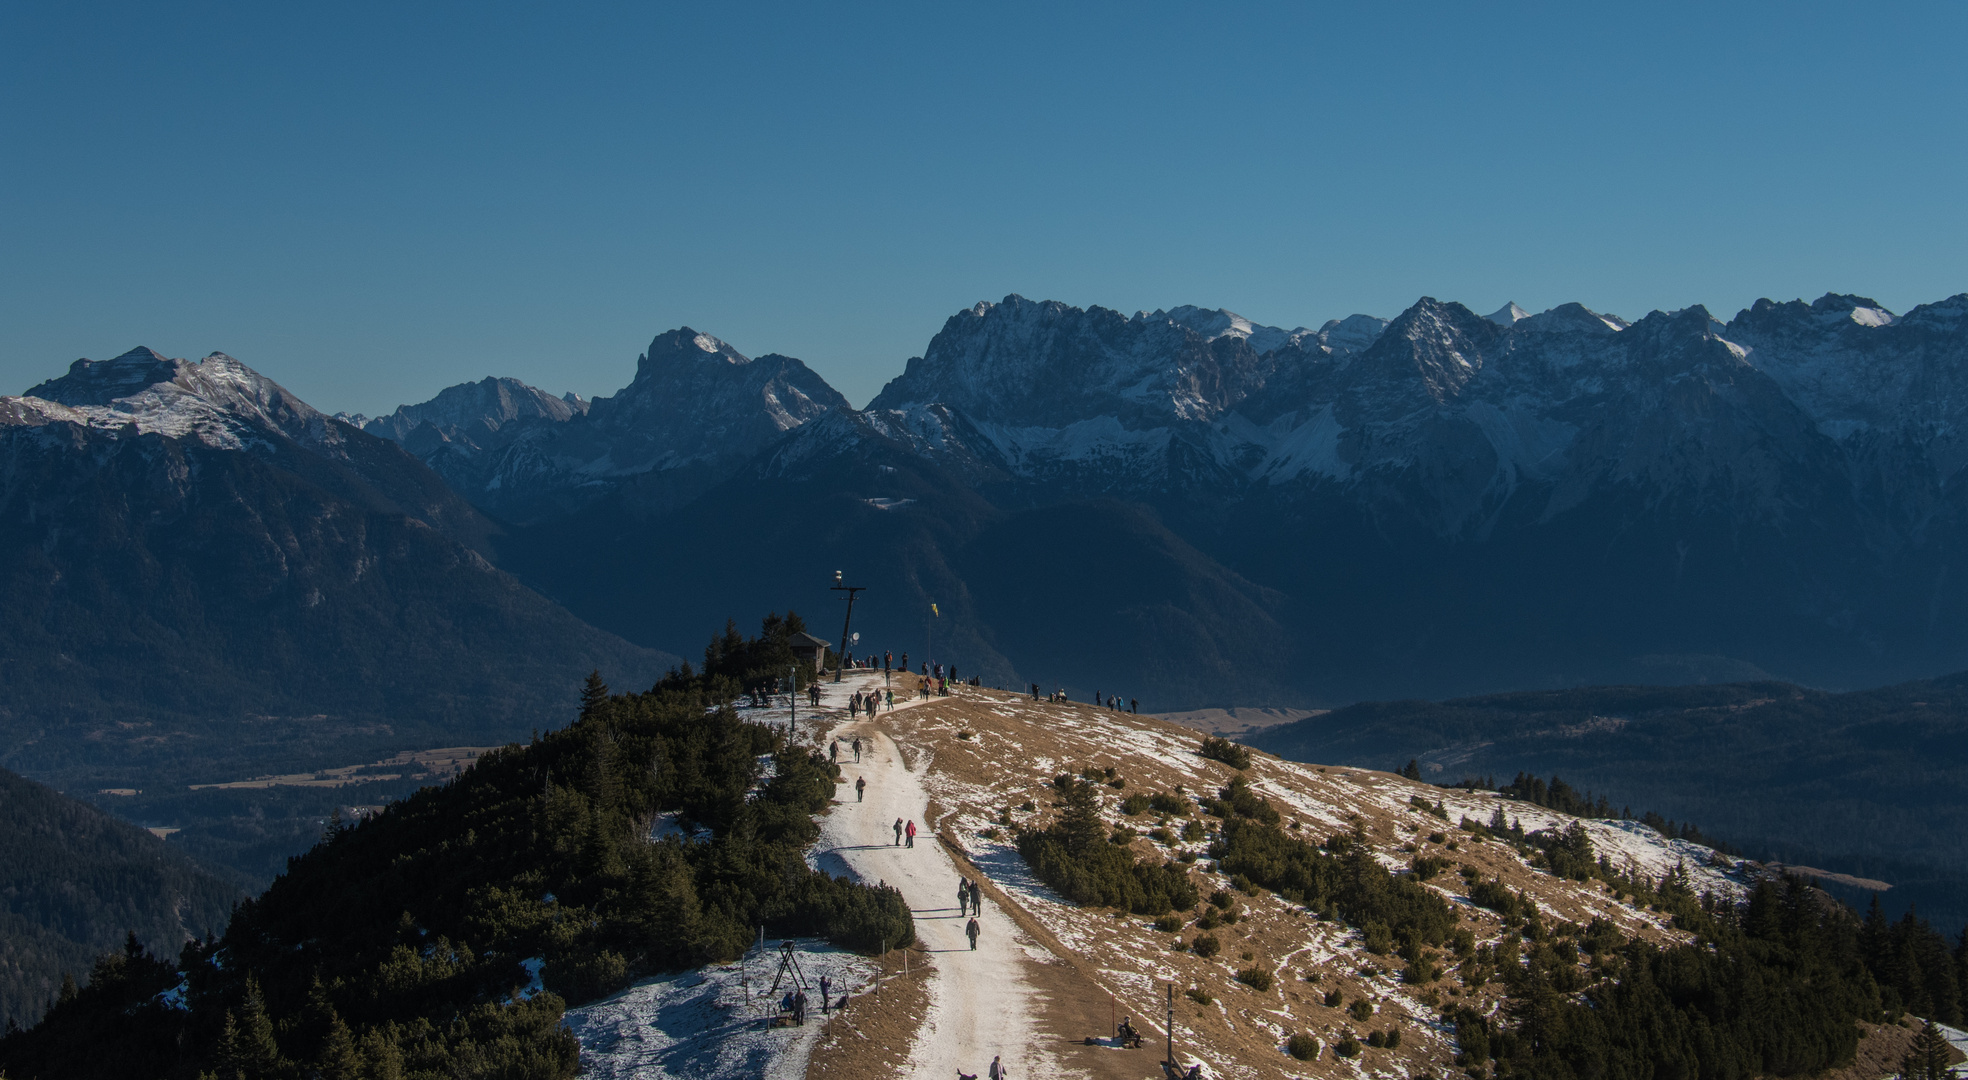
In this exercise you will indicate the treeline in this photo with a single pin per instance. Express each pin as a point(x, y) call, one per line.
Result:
point(1566, 799)
point(1775, 985)
point(408, 945)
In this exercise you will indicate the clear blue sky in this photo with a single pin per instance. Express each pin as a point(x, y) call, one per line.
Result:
point(369, 203)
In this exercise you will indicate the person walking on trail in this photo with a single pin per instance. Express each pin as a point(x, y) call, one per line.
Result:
point(912, 835)
point(891, 700)
point(860, 787)
point(854, 706)
point(998, 1071)
point(963, 897)
point(971, 931)
point(826, 988)
point(898, 832)
point(857, 750)
point(977, 897)
point(1134, 706)
point(834, 752)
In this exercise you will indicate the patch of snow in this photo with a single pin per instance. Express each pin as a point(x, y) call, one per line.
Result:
point(711, 1024)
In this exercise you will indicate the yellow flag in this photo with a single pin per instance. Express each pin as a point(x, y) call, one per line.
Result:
point(932, 608)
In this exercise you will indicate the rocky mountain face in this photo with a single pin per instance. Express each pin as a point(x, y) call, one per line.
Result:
point(696, 409)
point(1444, 502)
point(203, 574)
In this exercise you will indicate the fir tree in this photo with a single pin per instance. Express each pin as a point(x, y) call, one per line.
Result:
point(1927, 1059)
point(593, 694)
point(1412, 770)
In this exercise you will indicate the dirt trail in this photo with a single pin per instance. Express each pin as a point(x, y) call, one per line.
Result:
point(980, 1002)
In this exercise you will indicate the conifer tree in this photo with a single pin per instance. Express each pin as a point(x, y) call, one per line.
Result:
point(1412, 770)
point(247, 1050)
point(1927, 1059)
point(593, 694)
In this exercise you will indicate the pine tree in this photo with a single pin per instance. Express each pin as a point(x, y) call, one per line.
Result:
point(1412, 770)
point(338, 1059)
point(1927, 1059)
point(593, 694)
point(247, 1050)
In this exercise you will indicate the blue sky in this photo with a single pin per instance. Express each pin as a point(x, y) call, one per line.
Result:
point(369, 203)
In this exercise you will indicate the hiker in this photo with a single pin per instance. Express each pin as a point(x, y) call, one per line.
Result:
point(912, 834)
point(963, 897)
point(860, 784)
point(904, 665)
point(891, 701)
point(998, 1071)
point(977, 897)
point(854, 706)
point(834, 752)
point(953, 674)
point(857, 750)
point(1134, 706)
point(898, 831)
point(971, 932)
point(826, 987)
point(799, 1008)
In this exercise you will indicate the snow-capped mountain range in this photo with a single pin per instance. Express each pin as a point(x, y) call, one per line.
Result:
point(1764, 494)
point(1439, 502)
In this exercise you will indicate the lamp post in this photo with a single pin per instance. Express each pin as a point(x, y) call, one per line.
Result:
point(840, 661)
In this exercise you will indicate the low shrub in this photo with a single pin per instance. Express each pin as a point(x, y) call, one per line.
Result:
point(1205, 945)
point(1169, 924)
point(1256, 978)
point(1134, 804)
point(1303, 1047)
point(1194, 830)
point(1334, 999)
point(1428, 866)
point(1164, 803)
point(1361, 1009)
point(1349, 1047)
point(1198, 995)
point(1220, 898)
point(1227, 752)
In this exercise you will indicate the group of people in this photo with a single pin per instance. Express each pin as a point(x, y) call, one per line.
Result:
point(902, 831)
point(869, 702)
point(998, 1071)
point(970, 901)
point(834, 751)
point(1111, 702)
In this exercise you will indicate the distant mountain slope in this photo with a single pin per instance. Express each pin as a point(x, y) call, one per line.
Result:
point(696, 409)
point(1442, 503)
point(74, 881)
point(1867, 782)
point(201, 576)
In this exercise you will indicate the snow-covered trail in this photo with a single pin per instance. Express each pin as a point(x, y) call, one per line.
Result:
point(980, 1003)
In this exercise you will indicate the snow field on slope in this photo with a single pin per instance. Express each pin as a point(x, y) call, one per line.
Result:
point(709, 1024)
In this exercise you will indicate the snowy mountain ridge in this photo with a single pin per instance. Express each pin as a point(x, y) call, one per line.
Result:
point(217, 401)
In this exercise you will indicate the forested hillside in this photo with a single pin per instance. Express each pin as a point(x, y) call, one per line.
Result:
point(74, 882)
point(444, 936)
point(1780, 771)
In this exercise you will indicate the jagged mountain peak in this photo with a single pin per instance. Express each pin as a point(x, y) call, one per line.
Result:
point(685, 346)
point(1508, 315)
point(1572, 318)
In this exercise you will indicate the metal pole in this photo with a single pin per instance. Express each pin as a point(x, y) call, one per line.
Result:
point(840, 660)
point(1171, 1025)
point(792, 700)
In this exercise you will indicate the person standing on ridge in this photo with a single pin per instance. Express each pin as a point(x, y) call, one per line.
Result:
point(1134, 706)
point(912, 834)
point(898, 832)
point(860, 787)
